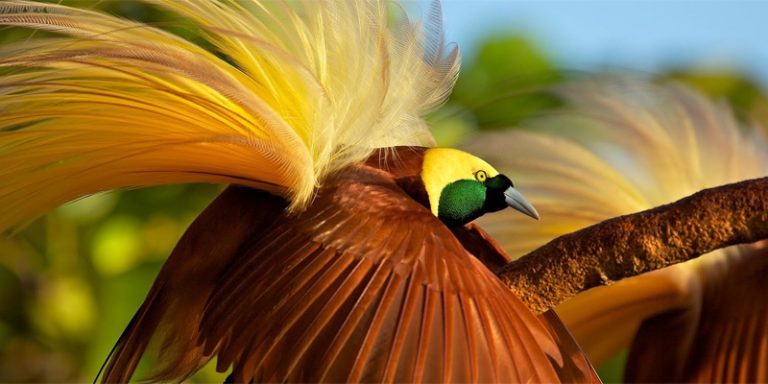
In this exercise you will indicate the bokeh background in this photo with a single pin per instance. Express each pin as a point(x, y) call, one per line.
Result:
point(70, 281)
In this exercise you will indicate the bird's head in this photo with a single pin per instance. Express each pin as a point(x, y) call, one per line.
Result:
point(461, 187)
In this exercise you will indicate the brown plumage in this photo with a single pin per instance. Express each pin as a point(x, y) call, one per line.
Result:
point(365, 285)
point(718, 334)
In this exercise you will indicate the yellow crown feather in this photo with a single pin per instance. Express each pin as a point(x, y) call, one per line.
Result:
point(293, 92)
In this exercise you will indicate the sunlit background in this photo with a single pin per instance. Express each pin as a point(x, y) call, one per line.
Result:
point(70, 282)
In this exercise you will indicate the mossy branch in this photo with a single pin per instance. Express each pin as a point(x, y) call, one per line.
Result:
point(628, 245)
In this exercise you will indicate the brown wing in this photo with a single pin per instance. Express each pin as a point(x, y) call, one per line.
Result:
point(481, 245)
point(366, 285)
point(575, 367)
point(176, 301)
point(722, 337)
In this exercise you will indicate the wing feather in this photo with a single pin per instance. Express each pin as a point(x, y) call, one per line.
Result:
point(349, 286)
point(373, 295)
point(476, 343)
point(366, 285)
point(380, 328)
point(401, 336)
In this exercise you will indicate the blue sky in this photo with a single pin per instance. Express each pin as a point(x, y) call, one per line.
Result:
point(640, 36)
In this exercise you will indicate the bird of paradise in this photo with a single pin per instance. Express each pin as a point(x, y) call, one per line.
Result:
point(344, 249)
point(623, 146)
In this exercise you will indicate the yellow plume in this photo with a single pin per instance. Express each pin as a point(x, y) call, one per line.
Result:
point(292, 92)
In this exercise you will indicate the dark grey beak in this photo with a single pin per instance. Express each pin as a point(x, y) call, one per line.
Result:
point(516, 200)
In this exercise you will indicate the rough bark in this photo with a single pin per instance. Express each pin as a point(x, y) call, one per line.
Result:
point(628, 245)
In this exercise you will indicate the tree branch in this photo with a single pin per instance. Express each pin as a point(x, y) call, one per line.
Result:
point(628, 245)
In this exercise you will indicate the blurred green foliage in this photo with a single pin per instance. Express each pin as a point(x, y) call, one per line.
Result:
point(504, 83)
point(512, 79)
point(71, 281)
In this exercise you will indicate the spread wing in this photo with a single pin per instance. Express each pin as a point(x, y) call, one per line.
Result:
point(366, 285)
point(575, 367)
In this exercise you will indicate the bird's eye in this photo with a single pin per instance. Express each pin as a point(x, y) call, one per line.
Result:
point(481, 176)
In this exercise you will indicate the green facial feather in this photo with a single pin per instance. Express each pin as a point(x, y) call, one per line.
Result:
point(461, 202)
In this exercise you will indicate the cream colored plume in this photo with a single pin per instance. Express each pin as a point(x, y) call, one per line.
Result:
point(289, 93)
point(621, 146)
